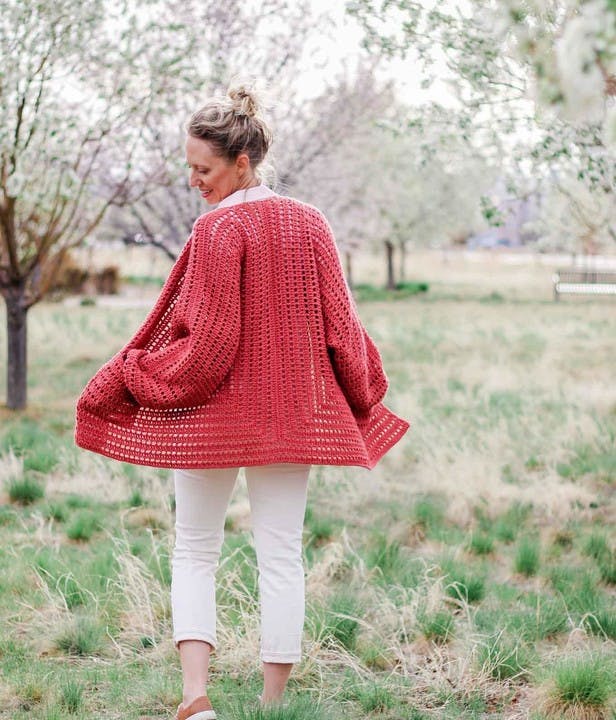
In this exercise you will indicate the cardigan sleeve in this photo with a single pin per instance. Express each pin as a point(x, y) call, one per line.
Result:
point(205, 328)
point(354, 357)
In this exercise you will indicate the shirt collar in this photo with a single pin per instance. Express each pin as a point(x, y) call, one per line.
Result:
point(258, 192)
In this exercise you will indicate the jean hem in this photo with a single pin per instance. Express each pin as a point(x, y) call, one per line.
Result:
point(205, 637)
point(280, 657)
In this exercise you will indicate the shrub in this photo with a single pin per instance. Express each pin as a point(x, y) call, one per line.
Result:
point(527, 556)
point(25, 490)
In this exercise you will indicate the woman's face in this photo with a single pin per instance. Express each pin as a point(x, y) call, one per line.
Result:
point(215, 176)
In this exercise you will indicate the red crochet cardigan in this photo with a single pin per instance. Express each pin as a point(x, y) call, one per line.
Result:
point(253, 354)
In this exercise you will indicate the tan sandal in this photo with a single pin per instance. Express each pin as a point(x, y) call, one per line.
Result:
point(199, 709)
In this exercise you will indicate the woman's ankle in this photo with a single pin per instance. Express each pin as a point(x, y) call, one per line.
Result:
point(189, 695)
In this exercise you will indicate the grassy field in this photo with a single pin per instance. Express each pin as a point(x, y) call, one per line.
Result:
point(472, 574)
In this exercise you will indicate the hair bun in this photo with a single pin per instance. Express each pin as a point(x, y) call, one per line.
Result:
point(244, 101)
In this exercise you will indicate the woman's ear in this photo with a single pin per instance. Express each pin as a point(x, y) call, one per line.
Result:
point(242, 162)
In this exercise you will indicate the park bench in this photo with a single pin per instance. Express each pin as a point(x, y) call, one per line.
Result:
point(579, 281)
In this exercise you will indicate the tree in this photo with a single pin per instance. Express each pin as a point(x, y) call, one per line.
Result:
point(566, 48)
point(574, 220)
point(532, 82)
point(306, 131)
point(78, 83)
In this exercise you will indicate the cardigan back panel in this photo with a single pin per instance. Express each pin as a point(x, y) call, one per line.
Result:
point(253, 354)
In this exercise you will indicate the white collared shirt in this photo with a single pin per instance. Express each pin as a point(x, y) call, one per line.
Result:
point(258, 192)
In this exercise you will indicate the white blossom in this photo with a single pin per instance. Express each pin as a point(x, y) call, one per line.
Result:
point(581, 79)
point(609, 129)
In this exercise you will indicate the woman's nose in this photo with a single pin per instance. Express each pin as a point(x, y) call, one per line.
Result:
point(192, 179)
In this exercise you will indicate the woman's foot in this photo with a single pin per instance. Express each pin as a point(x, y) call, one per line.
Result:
point(199, 709)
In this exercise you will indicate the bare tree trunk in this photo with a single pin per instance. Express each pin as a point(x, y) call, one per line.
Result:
point(16, 332)
point(402, 264)
point(389, 248)
point(349, 267)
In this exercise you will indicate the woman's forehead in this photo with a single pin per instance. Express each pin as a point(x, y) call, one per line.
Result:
point(199, 151)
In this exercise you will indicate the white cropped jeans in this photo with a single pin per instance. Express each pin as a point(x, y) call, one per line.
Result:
point(277, 495)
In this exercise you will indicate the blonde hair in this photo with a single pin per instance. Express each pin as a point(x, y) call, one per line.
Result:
point(233, 125)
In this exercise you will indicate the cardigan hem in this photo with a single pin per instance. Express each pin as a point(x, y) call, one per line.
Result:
point(83, 439)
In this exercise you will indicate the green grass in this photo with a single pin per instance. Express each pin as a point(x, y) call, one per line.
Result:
point(295, 709)
point(320, 528)
point(71, 696)
point(57, 510)
point(463, 583)
point(509, 524)
point(602, 623)
point(415, 609)
point(596, 545)
point(503, 657)
point(136, 499)
point(480, 543)
point(582, 682)
point(527, 556)
point(25, 490)
point(597, 459)
point(83, 637)
point(367, 292)
point(437, 626)
point(429, 513)
point(337, 622)
point(82, 526)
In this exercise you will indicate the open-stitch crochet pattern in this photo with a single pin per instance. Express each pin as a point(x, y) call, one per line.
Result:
point(253, 354)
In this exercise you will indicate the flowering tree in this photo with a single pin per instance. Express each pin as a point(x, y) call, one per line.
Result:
point(573, 219)
point(388, 191)
point(569, 46)
point(531, 82)
point(163, 212)
point(78, 82)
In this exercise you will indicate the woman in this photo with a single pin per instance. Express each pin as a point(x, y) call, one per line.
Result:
point(253, 356)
